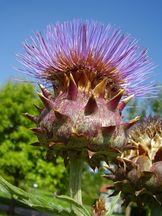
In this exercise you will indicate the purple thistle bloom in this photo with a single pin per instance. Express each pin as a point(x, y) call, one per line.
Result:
point(91, 67)
point(90, 46)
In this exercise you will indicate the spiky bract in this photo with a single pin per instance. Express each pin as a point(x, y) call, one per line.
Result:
point(79, 121)
point(138, 172)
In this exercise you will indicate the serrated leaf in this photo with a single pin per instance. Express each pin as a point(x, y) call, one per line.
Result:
point(40, 202)
point(80, 210)
point(112, 204)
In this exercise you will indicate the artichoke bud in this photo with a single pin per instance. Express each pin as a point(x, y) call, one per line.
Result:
point(76, 119)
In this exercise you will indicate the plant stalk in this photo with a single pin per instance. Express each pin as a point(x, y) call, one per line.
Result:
point(76, 166)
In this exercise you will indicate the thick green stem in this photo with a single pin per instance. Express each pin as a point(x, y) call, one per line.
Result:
point(76, 165)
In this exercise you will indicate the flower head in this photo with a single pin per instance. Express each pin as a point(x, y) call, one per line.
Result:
point(98, 50)
point(91, 67)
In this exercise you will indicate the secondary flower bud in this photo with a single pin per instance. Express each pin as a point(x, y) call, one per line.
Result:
point(138, 173)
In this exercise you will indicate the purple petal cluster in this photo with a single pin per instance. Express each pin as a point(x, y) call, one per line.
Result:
point(90, 46)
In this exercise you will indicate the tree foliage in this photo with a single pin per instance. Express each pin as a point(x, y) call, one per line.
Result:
point(145, 107)
point(155, 104)
point(20, 162)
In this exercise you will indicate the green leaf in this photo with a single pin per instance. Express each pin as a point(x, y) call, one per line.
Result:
point(54, 205)
point(78, 209)
point(113, 203)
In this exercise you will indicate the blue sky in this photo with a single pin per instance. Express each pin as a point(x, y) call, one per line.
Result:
point(20, 18)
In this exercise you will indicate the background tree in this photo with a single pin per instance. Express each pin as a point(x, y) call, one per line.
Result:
point(20, 162)
point(145, 107)
point(155, 104)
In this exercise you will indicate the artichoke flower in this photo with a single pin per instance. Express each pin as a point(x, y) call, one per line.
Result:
point(137, 173)
point(94, 70)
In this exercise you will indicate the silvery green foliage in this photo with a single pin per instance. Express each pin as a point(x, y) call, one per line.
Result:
point(60, 205)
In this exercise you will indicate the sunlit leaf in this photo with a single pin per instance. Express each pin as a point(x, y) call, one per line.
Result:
point(78, 209)
point(112, 204)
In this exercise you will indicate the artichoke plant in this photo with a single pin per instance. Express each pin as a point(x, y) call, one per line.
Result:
point(137, 173)
point(90, 71)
